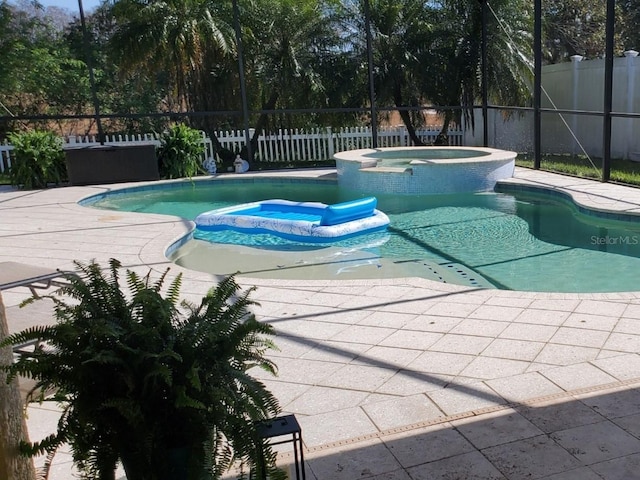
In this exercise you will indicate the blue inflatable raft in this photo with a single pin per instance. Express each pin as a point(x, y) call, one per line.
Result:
point(299, 221)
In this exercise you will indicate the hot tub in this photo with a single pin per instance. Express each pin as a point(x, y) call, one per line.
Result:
point(424, 170)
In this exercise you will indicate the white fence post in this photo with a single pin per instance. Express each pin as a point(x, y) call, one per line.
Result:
point(329, 142)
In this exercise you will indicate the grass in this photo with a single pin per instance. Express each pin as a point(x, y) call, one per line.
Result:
point(4, 179)
point(622, 171)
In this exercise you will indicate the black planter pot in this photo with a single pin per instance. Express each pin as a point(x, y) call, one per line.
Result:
point(178, 464)
point(175, 465)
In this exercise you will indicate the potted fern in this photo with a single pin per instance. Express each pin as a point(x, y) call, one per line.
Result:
point(143, 379)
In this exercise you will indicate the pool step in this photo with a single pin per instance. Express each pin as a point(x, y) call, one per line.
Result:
point(465, 275)
point(400, 170)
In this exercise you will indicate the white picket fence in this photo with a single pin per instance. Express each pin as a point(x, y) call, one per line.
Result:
point(321, 143)
point(295, 145)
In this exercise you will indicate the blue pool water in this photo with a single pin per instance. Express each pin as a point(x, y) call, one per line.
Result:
point(400, 158)
point(519, 240)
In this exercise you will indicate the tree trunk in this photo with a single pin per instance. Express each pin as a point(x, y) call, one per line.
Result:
point(406, 118)
point(228, 156)
point(270, 104)
point(444, 131)
point(13, 427)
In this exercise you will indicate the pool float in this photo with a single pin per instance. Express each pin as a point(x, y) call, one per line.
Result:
point(299, 221)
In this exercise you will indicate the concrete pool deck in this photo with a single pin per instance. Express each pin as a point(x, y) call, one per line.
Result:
point(398, 379)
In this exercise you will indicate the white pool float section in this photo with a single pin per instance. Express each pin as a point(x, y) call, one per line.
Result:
point(424, 170)
point(299, 221)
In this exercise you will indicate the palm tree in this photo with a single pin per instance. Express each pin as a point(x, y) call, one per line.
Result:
point(287, 43)
point(190, 43)
point(184, 39)
point(401, 31)
point(13, 428)
point(453, 74)
point(430, 52)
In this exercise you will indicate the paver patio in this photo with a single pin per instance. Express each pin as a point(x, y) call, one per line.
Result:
point(399, 379)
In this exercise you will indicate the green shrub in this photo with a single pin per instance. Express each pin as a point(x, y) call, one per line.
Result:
point(37, 159)
point(180, 152)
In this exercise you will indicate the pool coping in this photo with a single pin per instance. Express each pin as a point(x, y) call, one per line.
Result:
point(589, 196)
point(367, 155)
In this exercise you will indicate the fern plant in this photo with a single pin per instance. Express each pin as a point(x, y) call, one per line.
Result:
point(180, 152)
point(145, 379)
point(37, 160)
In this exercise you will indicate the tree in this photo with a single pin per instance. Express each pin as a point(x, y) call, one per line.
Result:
point(180, 37)
point(13, 428)
point(188, 45)
point(45, 71)
point(453, 74)
point(286, 43)
point(509, 52)
point(401, 33)
point(431, 53)
point(573, 27)
point(134, 92)
point(628, 19)
point(38, 67)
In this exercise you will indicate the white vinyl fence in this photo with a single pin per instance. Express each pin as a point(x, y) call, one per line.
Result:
point(576, 85)
point(295, 145)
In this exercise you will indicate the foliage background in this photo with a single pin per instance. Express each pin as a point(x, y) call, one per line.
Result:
point(304, 61)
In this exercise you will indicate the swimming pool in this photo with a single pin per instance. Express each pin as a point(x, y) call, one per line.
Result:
point(516, 240)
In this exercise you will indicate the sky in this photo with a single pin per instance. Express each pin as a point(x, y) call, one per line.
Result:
point(71, 5)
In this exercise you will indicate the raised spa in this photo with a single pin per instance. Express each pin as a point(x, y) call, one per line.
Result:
point(424, 170)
